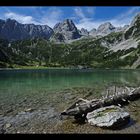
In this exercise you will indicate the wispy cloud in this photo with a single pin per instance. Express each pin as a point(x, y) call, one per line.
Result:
point(83, 17)
point(130, 13)
point(41, 16)
point(84, 12)
point(89, 24)
point(52, 16)
point(118, 21)
point(20, 18)
point(126, 17)
point(86, 18)
point(91, 10)
point(79, 13)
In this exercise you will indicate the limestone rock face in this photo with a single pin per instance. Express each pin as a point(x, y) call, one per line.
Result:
point(12, 30)
point(84, 32)
point(133, 30)
point(108, 117)
point(93, 32)
point(65, 31)
point(105, 29)
point(121, 29)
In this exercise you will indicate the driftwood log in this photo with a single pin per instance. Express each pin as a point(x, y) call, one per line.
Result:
point(80, 110)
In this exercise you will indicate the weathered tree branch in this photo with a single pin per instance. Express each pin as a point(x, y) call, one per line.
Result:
point(81, 109)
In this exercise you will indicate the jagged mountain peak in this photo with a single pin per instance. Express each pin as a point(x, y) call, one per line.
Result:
point(134, 29)
point(105, 26)
point(10, 20)
point(92, 32)
point(67, 20)
point(66, 24)
point(84, 32)
point(137, 16)
point(12, 30)
point(105, 29)
point(66, 29)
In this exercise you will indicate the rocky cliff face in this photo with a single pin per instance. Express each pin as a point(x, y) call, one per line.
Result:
point(12, 30)
point(65, 31)
point(134, 29)
point(84, 32)
point(93, 32)
point(119, 38)
point(103, 30)
point(43, 31)
point(121, 29)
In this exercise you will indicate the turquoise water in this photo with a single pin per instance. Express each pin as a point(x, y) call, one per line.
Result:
point(60, 79)
point(52, 90)
point(19, 82)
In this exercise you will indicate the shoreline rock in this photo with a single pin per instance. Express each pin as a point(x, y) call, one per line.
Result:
point(108, 117)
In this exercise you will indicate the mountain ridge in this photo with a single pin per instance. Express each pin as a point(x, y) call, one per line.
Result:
point(117, 49)
point(63, 31)
point(12, 30)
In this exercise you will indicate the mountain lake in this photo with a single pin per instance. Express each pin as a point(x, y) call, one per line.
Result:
point(31, 100)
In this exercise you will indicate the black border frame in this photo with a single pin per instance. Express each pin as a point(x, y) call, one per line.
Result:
point(72, 3)
point(69, 2)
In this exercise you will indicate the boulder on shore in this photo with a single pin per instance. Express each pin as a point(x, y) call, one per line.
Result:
point(108, 117)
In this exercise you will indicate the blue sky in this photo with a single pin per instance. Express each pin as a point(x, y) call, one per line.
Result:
point(84, 16)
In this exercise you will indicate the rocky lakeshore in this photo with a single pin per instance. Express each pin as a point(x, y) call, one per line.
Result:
point(42, 114)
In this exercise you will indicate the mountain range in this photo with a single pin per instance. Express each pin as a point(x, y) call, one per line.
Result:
point(13, 30)
point(66, 45)
point(63, 31)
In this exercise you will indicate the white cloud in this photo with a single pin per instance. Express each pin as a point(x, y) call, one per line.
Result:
point(130, 13)
point(78, 11)
point(52, 16)
point(125, 18)
point(88, 24)
point(84, 20)
point(84, 12)
point(118, 21)
point(83, 16)
point(20, 18)
point(91, 10)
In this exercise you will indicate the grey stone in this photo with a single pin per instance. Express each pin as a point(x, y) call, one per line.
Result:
point(22, 113)
point(29, 110)
point(9, 110)
point(8, 125)
point(108, 117)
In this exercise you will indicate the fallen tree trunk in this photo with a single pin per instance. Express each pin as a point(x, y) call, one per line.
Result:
point(80, 110)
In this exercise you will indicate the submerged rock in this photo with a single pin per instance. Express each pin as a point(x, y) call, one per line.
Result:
point(29, 110)
point(9, 111)
point(108, 117)
point(8, 125)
